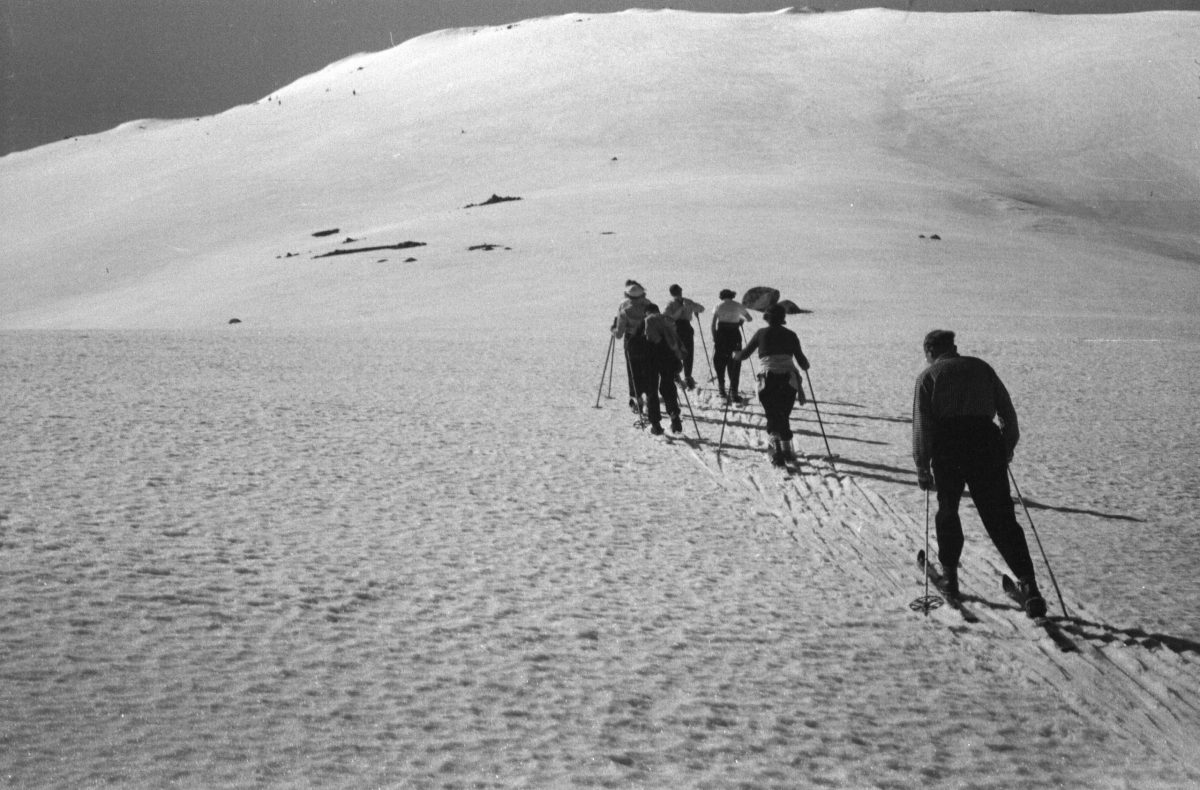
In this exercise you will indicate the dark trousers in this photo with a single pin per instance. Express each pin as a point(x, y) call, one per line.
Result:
point(778, 398)
point(687, 340)
point(726, 340)
point(653, 378)
point(969, 452)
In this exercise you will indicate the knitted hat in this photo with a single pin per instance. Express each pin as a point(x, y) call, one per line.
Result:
point(634, 289)
point(728, 294)
point(940, 340)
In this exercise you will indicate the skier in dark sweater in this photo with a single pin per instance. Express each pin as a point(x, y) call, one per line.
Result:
point(779, 381)
point(957, 444)
point(665, 362)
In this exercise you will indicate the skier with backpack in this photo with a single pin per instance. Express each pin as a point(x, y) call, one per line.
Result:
point(629, 326)
point(779, 381)
point(666, 360)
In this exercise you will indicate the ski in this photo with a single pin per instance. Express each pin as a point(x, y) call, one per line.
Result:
point(935, 575)
point(1052, 629)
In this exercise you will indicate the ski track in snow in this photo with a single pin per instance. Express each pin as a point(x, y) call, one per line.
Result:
point(1131, 681)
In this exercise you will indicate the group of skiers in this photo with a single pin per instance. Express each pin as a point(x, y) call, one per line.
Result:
point(957, 445)
point(659, 345)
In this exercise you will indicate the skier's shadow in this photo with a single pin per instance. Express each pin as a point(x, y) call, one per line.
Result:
point(1140, 637)
point(1101, 633)
point(1033, 505)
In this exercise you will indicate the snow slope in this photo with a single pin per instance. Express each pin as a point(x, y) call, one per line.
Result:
point(377, 535)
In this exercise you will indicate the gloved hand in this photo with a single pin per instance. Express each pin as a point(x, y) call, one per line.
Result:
point(925, 480)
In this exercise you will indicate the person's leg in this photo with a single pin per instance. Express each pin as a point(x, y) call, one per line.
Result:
point(629, 375)
point(787, 402)
point(989, 489)
point(777, 398)
point(720, 361)
point(646, 381)
point(670, 395)
point(687, 339)
point(950, 483)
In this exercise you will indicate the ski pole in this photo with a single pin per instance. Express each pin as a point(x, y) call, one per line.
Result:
point(633, 385)
point(721, 440)
point(688, 401)
point(607, 359)
point(700, 327)
point(820, 422)
point(611, 360)
point(926, 602)
point(752, 371)
point(1039, 542)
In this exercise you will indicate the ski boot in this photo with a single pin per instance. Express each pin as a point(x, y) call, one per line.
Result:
point(676, 424)
point(690, 383)
point(778, 456)
point(656, 428)
point(1035, 604)
point(950, 583)
point(789, 452)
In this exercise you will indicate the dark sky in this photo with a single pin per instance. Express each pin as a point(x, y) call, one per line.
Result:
point(71, 67)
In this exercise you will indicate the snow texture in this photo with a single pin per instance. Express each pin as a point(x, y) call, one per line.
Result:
point(394, 527)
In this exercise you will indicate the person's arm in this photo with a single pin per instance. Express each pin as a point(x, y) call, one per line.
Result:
point(1007, 415)
point(922, 435)
point(673, 341)
point(620, 325)
point(751, 347)
point(798, 353)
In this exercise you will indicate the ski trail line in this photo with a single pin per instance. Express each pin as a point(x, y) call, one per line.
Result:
point(1134, 685)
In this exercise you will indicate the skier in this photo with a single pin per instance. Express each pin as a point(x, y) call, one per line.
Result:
point(956, 443)
point(680, 310)
point(629, 325)
point(727, 339)
point(666, 357)
point(779, 381)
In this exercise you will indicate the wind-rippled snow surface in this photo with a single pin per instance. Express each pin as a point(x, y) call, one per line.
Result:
point(348, 560)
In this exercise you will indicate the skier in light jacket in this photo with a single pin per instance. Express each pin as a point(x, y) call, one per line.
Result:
point(727, 338)
point(681, 310)
point(629, 325)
